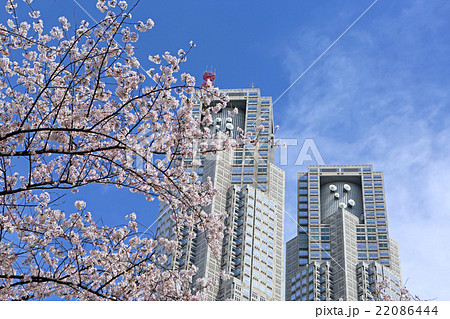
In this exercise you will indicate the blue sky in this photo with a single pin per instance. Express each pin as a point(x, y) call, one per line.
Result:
point(379, 96)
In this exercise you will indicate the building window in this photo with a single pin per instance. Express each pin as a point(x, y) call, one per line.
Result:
point(326, 254)
point(302, 214)
point(378, 184)
point(303, 253)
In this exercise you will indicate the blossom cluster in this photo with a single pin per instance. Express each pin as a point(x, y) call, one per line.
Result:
point(383, 292)
point(75, 258)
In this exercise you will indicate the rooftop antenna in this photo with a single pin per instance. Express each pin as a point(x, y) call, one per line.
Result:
point(208, 75)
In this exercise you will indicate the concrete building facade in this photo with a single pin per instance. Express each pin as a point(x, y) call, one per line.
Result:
point(251, 192)
point(342, 227)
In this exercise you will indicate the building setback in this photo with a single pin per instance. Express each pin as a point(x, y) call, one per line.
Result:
point(251, 191)
point(342, 248)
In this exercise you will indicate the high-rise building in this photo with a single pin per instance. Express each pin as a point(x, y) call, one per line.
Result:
point(251, 191)
point(342, 248)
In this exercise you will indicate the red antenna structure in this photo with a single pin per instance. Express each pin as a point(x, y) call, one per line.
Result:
point(208, 75)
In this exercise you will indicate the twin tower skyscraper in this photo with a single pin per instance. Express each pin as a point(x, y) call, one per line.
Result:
point(342, 248)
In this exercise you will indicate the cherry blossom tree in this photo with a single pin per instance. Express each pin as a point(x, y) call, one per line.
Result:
point(77, 108)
